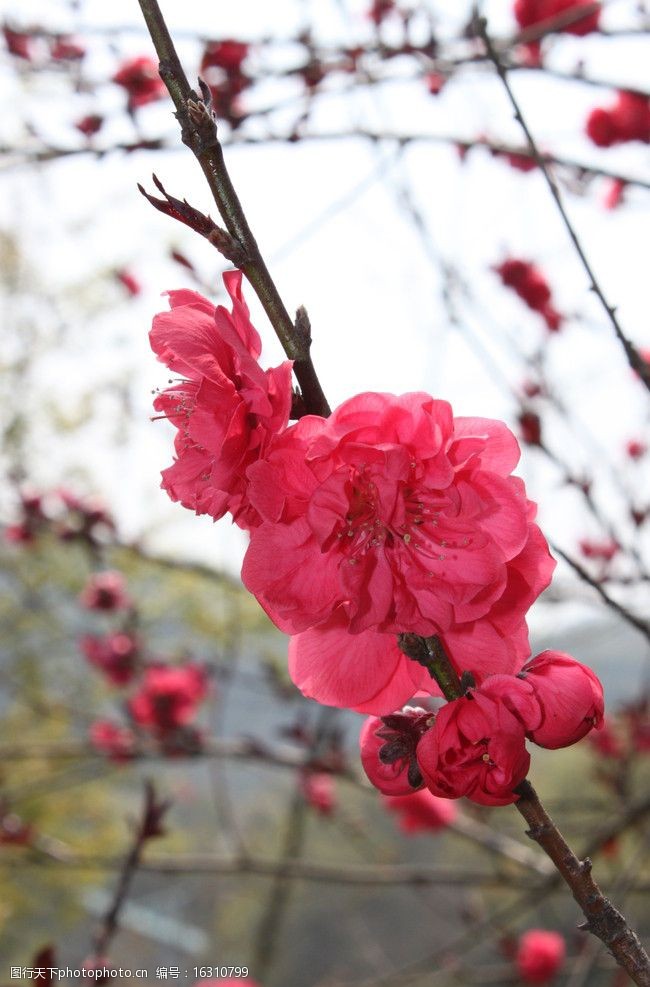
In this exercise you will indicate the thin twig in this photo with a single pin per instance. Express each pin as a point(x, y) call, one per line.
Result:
point(199, 133)
point(635, 359)
point(631, 618)
point(148, 828)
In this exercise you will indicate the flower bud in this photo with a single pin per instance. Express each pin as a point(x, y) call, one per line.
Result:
point(540, 954)
point(475, 748)
point(570, 696)
point(388, 745)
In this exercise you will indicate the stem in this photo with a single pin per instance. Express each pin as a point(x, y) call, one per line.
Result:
point(430, 652)
point(199, 133)
point(602, 919)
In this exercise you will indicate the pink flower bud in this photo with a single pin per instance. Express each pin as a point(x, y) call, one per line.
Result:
point(388, 746)
point(476, 748)
point(540, 954)
point(117, 742)
point(570, 696)
point(318, 790)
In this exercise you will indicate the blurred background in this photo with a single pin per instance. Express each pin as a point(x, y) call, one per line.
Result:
point(393, 194)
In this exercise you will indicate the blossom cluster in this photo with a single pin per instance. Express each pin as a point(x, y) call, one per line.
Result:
point(527, 281)
point(627, 119)
point(475, 745)
point(390, 517)
point(163, 700)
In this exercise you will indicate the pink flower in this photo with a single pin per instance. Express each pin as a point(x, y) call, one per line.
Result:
point(627, 119)
point(19, 43)
point(570, 697)
point(225, 407)
point(19, 534)
point(117, 742)
point(531, 12)
point(90, 124)
point(530, 425)
point(421, 811)
point(435, 82)
point(393, 516)
point(388, 749)
point(391, 513)
point(613, 193)
point(540, 954)
point(105, 591)
point(67, 49)
point(168, 697)
point(318, 790)
point(605, 550)
point(115, 655)
point(635, 448)
point(139, 77)
point(476, 748)
point(380, 10)
point(532, 287)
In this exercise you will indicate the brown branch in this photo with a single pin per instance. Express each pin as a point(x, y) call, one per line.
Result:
point(199, 133)
point(375, 136)
point(631, 618)
point(148, 828)
point(602, 918)
point(635, 359)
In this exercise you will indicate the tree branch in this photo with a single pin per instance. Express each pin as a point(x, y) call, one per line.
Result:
point(199, 133)
point(635, 359)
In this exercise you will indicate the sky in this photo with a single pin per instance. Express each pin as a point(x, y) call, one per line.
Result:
point(328, 218)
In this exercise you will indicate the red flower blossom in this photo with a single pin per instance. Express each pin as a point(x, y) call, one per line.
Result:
point(530, 425)
point(435, 82)
point(380, 10)
point(19, 43)
point(139, 77)
point(67, 49)
point(605, 549)
point(570, 697)
point(421, 811)
point(115, 655)
point(530, 12)
point(532, 287)
point(476, 748)
point(117, 742)
point(168, 697)
point(392, 515)
point(636, 449)
point(226, 408)
point(228, 55)
point(90, 124)
point(613, 193)
point(318, 790)
point(388, 748)
point(540, 955)
point(627, 119)
point(19, 534)
point(105, 591)
point(405, 517)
